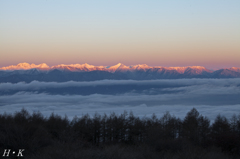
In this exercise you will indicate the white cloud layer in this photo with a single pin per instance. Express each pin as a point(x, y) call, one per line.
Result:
point(36, 85)
point(210, 96)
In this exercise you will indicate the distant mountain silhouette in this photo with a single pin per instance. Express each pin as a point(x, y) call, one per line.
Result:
point(25, 72)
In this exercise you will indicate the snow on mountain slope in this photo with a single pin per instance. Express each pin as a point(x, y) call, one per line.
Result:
point(25, 66)
point(117, 67)
point(25, 72)
point(143, 67)
point(190, 70)
point(235, 69)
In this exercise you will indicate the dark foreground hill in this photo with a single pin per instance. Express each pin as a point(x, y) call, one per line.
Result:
point(120, 136)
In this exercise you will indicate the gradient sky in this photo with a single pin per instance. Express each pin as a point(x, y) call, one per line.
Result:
point(153, 32)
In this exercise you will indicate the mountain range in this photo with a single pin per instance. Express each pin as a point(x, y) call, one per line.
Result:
point(25, 72)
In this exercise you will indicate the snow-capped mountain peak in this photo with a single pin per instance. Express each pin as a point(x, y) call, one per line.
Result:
point(25, 66)
point(42, 65)
point(115, 68)
point(76, 72)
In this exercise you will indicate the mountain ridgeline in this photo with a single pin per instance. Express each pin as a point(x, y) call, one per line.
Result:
point(24, 72)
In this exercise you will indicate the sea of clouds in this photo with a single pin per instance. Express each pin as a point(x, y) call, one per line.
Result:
point(178, 96)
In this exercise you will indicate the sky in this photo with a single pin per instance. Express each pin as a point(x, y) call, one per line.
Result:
point(106, 32)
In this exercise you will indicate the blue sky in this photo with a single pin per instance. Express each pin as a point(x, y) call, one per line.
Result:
point(166, 33)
